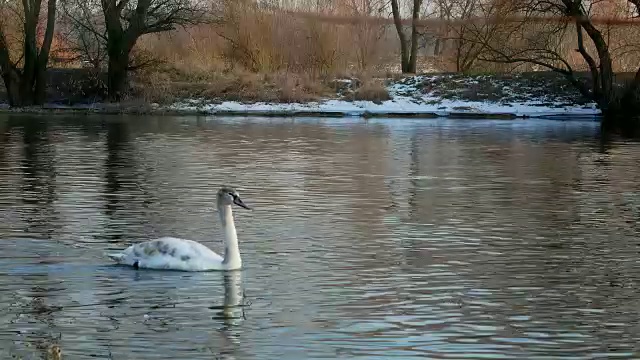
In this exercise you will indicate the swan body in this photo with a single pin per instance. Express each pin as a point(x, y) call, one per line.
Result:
point(169, 253)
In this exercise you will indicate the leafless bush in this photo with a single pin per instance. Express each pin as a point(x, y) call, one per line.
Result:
point(237, 85)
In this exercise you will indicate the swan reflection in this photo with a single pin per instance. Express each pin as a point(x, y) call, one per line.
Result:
point(232, 309)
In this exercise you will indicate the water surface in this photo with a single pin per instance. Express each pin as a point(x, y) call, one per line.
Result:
point(371, 239)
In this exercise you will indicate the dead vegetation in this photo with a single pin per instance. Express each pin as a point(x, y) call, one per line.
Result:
point(297, 58)
point(372, 90)
point(298, 51)
point(169, 86)
point(243, 86)
point(550, 88)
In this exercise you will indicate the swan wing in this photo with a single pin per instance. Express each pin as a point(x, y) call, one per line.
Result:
point(169, 253)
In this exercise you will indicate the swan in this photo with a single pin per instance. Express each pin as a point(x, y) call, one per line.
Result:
point(169, 253)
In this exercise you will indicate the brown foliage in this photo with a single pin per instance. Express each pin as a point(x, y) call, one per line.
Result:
point(271, 40)
point(238, 85)
point(278, 53)
point(371, 90)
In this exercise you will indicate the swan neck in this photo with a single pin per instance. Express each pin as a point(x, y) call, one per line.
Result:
point(231, 251)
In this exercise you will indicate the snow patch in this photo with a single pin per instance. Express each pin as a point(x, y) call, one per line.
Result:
point(407, 98)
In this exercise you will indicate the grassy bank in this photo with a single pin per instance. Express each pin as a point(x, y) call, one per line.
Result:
point(285, 94)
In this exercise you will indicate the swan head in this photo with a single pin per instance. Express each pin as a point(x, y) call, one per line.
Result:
point(229, 196)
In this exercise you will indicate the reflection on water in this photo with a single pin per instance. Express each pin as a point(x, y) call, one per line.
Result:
point(377, 239)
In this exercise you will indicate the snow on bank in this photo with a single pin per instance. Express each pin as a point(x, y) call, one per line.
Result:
point(397, 106)
point(407, 99)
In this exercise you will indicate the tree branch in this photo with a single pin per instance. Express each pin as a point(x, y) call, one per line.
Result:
point(82, 23)
point(593, 67)
point(43, 56)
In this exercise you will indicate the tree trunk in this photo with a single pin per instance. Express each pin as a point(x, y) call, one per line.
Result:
point(621, 111)
point(40, 87)
point(12, 82)
point(408, 56)
point(42, 60)
point(117, 76)
point(459, 46)
point(412, 66)
point(120, 42)
point(30, 52)
point(397, 20)
point(28, 86)
point(606, 77)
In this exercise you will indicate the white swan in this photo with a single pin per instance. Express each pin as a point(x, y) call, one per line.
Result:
point(170, 253)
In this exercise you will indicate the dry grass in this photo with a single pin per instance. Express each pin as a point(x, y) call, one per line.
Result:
point(172, 84)
point(166, 87)
point(372, 90)
point(257, 55)
point(260, 40)
point(263, 40)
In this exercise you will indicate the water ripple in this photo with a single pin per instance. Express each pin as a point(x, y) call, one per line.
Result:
point(376, 240)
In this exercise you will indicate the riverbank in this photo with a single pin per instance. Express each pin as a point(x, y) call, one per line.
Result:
point(430, 95)
point(526, 95)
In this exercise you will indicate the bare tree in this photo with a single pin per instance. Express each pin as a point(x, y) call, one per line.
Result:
point(408, 49)
point(367, 33)
point(127, 20)
point(538, 37)
point(25, 75)
point(122, 23)
point(82, 27)
point(456, 16)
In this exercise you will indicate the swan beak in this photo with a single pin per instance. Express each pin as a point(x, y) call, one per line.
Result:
point(238, 201)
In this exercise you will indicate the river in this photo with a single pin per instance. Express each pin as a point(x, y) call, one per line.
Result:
point(378, 239)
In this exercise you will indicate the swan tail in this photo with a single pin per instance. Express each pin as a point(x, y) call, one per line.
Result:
point(116, 257)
